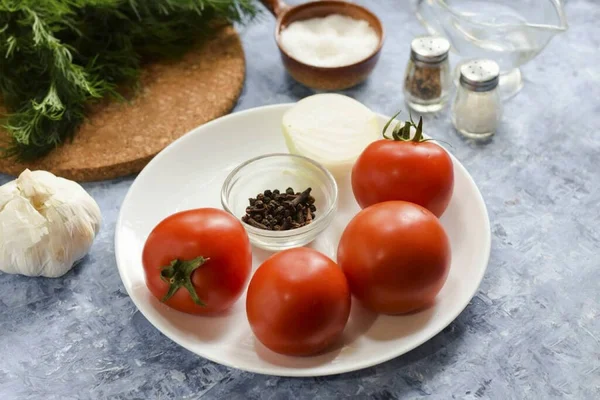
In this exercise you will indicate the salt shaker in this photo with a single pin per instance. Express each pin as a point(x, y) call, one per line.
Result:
point(427, 76)
point(477, 109)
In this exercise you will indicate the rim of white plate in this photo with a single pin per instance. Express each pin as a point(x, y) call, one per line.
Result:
point(334, 369)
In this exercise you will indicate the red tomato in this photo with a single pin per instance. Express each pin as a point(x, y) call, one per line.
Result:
point(198, 261)
point(298, 302)
point(412, 170)
point(396, 257)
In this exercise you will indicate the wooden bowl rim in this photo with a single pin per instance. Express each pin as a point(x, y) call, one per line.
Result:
point(321, 3)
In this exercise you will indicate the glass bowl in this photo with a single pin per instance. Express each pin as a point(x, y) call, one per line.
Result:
point(510, 32)
point(280, 171)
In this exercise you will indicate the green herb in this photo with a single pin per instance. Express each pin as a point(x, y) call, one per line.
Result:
point(58, 56)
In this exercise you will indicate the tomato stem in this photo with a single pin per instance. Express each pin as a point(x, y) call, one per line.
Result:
point(178, 274)
point(401, 132)
point(419, 134)
point(388, 124)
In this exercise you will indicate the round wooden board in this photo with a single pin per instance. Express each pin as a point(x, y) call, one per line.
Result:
point(119, 139)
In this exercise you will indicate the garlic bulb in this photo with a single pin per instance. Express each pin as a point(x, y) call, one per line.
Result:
point(47, 224)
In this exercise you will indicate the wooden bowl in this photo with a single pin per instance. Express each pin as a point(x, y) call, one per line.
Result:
point(325, 78)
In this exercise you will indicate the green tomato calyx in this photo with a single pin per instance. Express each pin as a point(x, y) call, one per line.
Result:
point(178, 274)
point(401, 132)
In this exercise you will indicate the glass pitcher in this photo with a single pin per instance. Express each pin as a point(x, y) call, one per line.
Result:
point(510, 32)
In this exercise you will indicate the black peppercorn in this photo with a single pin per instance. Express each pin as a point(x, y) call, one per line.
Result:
point(274, 210)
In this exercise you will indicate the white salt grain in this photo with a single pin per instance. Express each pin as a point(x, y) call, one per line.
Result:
point(332, 41)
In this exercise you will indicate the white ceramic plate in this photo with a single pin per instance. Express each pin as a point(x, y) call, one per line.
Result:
point(189, 174)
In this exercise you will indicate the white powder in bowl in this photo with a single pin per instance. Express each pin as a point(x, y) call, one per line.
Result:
point(332, 41)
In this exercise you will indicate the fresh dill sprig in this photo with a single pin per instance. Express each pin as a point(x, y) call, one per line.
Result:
point(58, 56)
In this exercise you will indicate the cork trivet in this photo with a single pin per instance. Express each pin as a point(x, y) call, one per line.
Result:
point(121, 138)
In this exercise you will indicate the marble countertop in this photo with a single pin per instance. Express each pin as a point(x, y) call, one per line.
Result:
point(531, 332)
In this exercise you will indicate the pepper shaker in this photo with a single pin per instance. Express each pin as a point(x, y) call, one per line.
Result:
point(477, 109)
point(427, 76)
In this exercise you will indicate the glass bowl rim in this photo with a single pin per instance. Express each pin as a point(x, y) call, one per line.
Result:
point(291, 232)
point(558, 5)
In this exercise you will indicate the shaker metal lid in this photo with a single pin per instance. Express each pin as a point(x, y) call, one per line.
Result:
point(429, 49)
point(480, 75)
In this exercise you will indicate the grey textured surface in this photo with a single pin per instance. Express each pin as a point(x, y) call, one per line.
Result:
point(531, 332)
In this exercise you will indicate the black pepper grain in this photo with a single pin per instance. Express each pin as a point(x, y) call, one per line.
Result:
point(274, 210)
